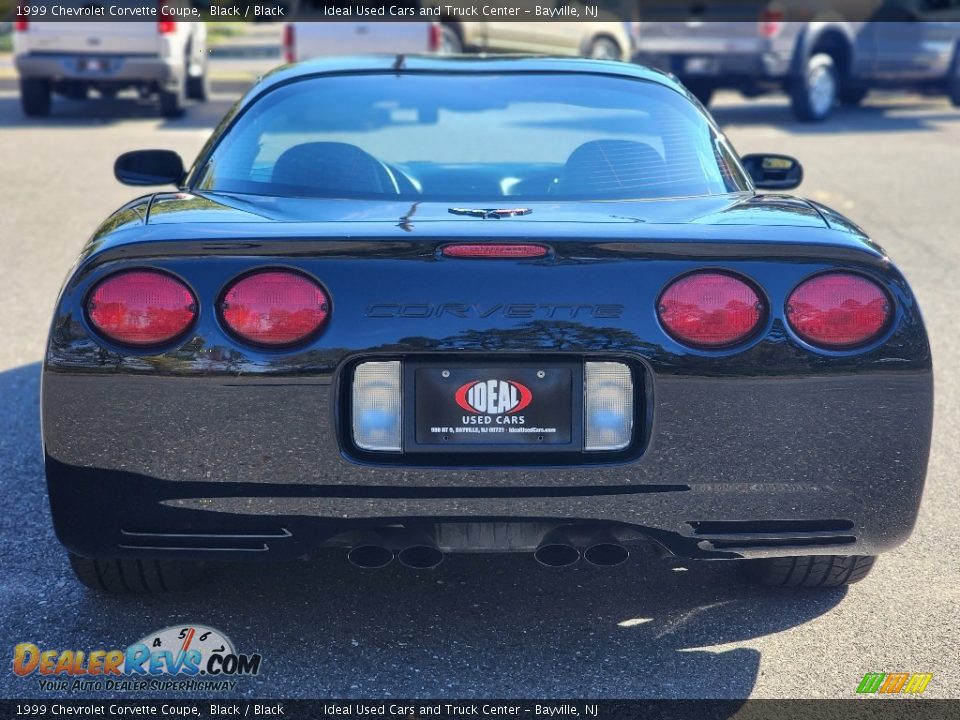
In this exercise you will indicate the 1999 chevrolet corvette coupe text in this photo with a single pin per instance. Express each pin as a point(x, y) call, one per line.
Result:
point(413, 306)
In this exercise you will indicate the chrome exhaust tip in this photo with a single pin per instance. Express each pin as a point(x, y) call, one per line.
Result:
point(606, 554)
point(420, 557)
point(556, 554)
point(370, 557)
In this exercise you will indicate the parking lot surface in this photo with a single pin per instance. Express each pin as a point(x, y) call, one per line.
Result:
point(486, 625)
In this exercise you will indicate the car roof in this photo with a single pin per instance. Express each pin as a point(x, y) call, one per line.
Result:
point(458, 64)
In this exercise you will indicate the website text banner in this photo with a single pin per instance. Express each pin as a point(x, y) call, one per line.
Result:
point(489, 709)
point(24, 12)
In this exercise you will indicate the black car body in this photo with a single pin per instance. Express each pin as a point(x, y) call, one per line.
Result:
point(207, 446)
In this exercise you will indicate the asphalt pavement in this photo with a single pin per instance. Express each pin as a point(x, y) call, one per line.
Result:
point(501, 625)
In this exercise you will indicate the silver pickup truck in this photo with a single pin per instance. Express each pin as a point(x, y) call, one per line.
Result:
point(818, 63)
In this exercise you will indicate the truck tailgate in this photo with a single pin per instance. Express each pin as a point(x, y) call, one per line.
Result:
point(703, 34)
point(315, 39)
point(109, 38)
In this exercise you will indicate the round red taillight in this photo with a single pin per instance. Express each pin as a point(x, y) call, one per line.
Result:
point(710, 309)
point(838, 310)
point(275, 308)
point(141, 307)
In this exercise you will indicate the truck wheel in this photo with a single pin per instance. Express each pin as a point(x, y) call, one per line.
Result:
point(171, 101)
point(603, 48)
point(198, 86)
point(35, 97)
point(808, 571)
point(953, 81)
point(130, 576)
point(814, 93)
point(450, 42)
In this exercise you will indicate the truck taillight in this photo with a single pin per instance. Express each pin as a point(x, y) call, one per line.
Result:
point(275, 308)
point(141, 308)
point(771, 23)
point(838, 310)
point(288, 40)
point(165, 27)
point(710, 310)
point(21, 23)
point(434, 36)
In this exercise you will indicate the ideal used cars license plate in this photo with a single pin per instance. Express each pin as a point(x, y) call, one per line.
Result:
point(493, 405)
point(92, 64)
point(700, 66)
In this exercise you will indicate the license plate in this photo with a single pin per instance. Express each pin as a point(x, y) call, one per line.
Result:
point(699, 66)
point(92, 65)
point(493, 405)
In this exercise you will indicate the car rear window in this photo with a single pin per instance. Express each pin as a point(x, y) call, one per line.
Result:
point(470, 136)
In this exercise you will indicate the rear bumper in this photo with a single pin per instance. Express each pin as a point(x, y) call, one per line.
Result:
point(258, 462)
point(115, 68)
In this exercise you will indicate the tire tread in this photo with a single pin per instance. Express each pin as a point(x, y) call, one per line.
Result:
point(808, 571)
point(35, 97)
point(953, 80)
point(799, 97)
point(130, 575)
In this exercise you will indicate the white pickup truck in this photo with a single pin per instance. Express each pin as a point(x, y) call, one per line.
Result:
point(166, 58)
point(305, 40)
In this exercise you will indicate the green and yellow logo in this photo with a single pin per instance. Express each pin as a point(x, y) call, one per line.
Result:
point(893, 683)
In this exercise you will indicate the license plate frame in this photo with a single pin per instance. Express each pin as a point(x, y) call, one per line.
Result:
point(700, 65)
point(93, 65)
point(430, 404)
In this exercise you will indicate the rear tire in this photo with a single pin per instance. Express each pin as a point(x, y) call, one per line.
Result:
point(131, 576)
point(450, 41)
point(953, 81)
point(198, 87)
point(604, 48)
point(807, 571)
point(814, 93)
point(171, 101)
point(35, 97)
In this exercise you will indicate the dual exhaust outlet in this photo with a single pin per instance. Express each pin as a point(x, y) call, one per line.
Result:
point(559, 548)
point(565, 546)
point(416, 557)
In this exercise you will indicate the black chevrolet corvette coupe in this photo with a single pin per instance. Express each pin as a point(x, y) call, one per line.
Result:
point(412, 306)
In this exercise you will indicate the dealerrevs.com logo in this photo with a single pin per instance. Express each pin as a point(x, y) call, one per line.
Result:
point(493, 397)
point(894, 683)
point(180, 657)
